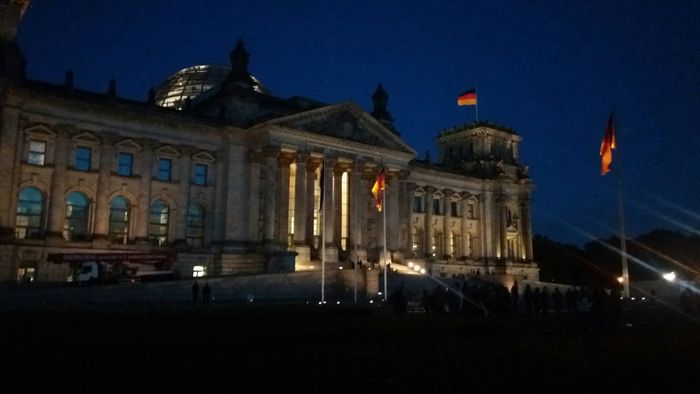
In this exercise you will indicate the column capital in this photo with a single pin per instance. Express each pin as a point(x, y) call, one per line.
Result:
point(256, 156)
point(411, 186)
point(271, 151)
point(404, 174)
point(448, 193)
point(286, 158)
point(430, 189)
point(302, 157)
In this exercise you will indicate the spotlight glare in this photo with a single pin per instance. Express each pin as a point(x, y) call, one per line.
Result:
point(671, 276)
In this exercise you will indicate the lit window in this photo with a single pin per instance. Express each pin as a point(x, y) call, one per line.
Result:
point(37, 153)
point(125, 164)
point(200, 174)
point(83, 158)
point(30, 214)
point(158, 223)
point(77, 215)
point(195, 225)
point(417, 204)
point(119, 220)
point(165, 170)
point(436, 206)
point(199, 271)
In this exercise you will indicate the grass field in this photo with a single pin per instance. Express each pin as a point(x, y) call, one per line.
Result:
point(309, 348)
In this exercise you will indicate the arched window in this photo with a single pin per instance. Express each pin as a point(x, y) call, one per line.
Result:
point(119, 220)
point(77, 216)
point(158, 223)
point(195, 225)
point(30, 214)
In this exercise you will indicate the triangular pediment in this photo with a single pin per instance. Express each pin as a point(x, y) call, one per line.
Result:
point(40, 130)
point(345, 121)
point(128, 144)
point(204, 156)
point(168, 150)
point(86, 137)
point(512, 229)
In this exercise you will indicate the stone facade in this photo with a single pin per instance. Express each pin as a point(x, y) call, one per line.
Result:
point(231, 182)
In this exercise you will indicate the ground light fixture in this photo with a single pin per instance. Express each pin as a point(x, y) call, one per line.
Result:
point(671, 276)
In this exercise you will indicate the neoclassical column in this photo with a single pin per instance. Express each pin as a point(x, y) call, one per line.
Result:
point(503, 226)
point(392, 211)
point(300, 199)
point(488, 226)
point(311, 181)
point(270, 193)
point(284, 160)
point(183, 198)
point(338, 172)
point(58, 185)
point(107, 155)
point(525, 208)
point(464, 226)
point(255, 198)
point(404, 212)
point(447, 215)
point(328, 201)
point(144, 195)
point(428, 234)
point(354, 205)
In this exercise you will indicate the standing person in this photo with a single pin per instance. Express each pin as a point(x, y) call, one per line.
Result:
point(514, 296)
point(195, 293)
point(206, 294)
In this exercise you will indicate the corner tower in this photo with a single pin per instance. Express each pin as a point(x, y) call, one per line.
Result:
point(12, 60)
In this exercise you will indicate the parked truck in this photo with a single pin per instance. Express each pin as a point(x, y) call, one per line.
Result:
point(118, 267)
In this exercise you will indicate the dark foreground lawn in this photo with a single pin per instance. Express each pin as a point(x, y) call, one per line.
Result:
point(307, 349)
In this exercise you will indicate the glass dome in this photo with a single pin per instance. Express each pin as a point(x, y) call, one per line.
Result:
point(193, 82)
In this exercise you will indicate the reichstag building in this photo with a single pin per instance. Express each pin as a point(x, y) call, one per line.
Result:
point(213, 167)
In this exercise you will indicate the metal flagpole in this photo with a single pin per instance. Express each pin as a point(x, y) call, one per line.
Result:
point(323, 230)
point(354, 225)
point(384, 212)
point(623, 237)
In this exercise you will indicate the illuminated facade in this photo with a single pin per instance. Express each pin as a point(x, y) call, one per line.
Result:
point(215, 168)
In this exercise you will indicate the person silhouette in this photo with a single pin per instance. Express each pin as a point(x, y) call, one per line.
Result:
point(206, 294)
point(195, 293)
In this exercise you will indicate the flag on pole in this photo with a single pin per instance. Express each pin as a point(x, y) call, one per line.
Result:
point(607, 146)
point(377, 190)
point(467, 98)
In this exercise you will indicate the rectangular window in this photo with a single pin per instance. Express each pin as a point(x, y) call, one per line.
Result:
point(436, 206)
point(125, 164)
point(200, 174)
point(417, 202)
point(454, 211)
point(83, 158)
point(165, 170)
point(37, 153)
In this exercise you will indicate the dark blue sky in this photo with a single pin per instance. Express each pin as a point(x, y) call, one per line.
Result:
point(550, 69)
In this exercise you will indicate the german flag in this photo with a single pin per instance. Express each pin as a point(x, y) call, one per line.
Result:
point(377, 190)
point(467, 98)
point(607, 146)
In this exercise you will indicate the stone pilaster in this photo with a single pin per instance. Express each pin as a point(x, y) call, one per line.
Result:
point(107, 156)
point(446, 218)
point(237, 174)
point(404, 201)
point(10, 161)
point(502, 226)
point(255, 215)
point(270, 194)
point(487, 226)
point(183, 198)
point(355, 233)
point(219, 216)
point(464, 228)
point(57, 200)
point(144, 197)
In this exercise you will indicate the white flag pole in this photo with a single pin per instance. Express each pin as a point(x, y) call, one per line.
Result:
point(323, 230)
point(354, 225)
point(384, 212)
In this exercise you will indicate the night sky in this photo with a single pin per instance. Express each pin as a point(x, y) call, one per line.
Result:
point(552, 70)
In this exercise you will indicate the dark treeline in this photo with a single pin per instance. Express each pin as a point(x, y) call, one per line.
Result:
point(598, 262)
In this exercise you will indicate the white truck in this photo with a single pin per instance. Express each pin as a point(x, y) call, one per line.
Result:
point(118, 267)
